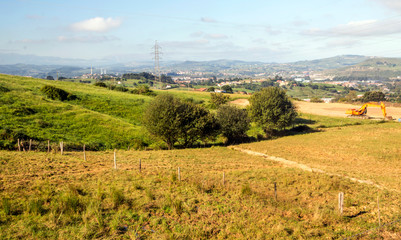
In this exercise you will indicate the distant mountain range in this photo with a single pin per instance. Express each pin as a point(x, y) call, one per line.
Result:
point(40, 67)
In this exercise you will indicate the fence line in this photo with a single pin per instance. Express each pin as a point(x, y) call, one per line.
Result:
point(375, 228)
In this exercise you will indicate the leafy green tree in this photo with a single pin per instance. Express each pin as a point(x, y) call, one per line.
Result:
point(351, 96)
point(162, 118)
point(218, 99)
point(196, 123)
point(271, 109)
point(373, 96)
point(227, 88)
point(49, 78)
point(234, 122)
point(174, 120)
point(210, 89)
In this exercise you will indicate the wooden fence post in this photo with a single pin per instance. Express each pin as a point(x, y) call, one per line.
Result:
point(19, 146)
point(224, 178)
point(179, 174)
point(61, 147)
point(341, 202)
point(378, 210)
point(115, 160)
point(48, 146)
point(140, 165)
point(30, 144)
point(84, 154)
point(275, 191)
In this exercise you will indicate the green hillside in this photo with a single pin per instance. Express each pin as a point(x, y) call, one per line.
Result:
point(373, 68)
point(99, 118)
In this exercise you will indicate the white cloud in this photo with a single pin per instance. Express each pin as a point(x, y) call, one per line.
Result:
point(87, 39)
point(211, 36)
point(30, 41)
point(343, 43)
point(208, 20)
point(97, 24)
point(394, 5)
point(216, 36)
point(363, 28)
point(272, 31)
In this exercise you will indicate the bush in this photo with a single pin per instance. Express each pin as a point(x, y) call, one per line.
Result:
point(374, 96)
point(174, 120)
point(316, 100)
point(227, 88)
point(143, 90)
point(100, 84)
point(57, 93)
point(121, 89)
point(218, 99)
point(271, 109)
point(234, 122)
point(4, 89)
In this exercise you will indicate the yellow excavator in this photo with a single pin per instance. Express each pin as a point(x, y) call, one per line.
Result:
point(361, 112)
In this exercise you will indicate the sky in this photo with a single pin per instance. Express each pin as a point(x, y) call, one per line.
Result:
point(248, 30)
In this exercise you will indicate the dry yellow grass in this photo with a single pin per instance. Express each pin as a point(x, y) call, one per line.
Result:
point(369, 152)
point(153, 204)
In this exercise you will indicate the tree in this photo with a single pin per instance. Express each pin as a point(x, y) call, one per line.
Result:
point(210, 89)
point(351, 96)
point(218, 99)
point(227, 88)
point(271, 109)
point(373, 96)
point(174, 120)
point(49, 78)
point(196, 123)
point(234, 122)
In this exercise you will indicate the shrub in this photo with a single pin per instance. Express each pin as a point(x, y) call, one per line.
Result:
point(234, 122)
point(218, 99)
point(271, 109)
point(121, 89)
point(227, 88)
point(57, 93)
point(4, 89)
point(100, 84)
point(143, 90)
point(374, 96)
point(316, 100)
point(174, 120)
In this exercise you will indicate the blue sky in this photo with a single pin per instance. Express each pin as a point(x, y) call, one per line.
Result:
point(251, 30)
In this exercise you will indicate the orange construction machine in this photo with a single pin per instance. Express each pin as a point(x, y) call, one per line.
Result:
point(361, 112)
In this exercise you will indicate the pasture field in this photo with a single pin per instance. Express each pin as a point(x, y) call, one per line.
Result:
point(48, 195)
point(369, 151)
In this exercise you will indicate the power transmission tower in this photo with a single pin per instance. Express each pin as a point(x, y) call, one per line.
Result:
point(157, 52)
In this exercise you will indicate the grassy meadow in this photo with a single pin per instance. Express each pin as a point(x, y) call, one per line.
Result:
point(53, 196)
point(48, 195)
point(369, 151)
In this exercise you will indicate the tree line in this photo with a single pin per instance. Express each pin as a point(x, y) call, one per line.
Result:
point(177, 121)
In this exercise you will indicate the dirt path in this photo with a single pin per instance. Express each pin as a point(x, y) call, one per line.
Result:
point(304, 167)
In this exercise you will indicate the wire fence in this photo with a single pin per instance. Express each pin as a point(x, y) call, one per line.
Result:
point(372, 229)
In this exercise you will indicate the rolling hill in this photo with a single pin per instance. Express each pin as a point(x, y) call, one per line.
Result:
point(99, 118)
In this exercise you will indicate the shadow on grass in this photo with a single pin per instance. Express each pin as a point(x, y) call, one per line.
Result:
point(299, 121)
point(356, 215)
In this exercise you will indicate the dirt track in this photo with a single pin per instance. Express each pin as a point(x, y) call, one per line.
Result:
point(334, 109)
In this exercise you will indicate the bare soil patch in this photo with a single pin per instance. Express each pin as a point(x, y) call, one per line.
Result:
point(333, 109)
